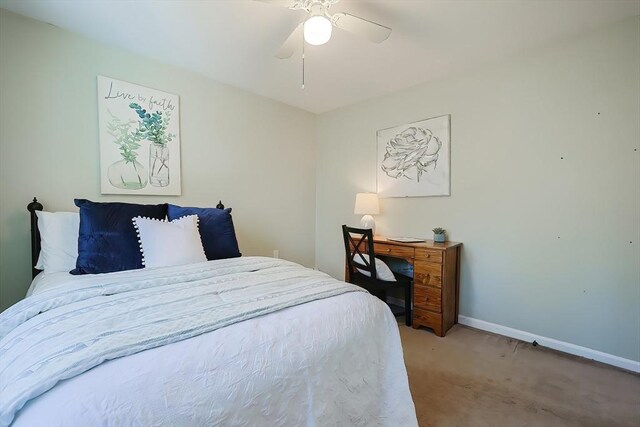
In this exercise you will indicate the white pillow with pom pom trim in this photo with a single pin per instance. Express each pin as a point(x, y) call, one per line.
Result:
point(164, 243)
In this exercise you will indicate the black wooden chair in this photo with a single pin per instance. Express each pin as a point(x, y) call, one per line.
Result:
point(361, 265)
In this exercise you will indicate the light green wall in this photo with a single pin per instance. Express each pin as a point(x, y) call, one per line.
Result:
point(512, 195)
point(551, 245)
point(255, 154)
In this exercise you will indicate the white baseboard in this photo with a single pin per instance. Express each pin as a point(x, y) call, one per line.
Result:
point(588, 353)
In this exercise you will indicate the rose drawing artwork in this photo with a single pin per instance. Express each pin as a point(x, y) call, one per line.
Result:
point(413, 159)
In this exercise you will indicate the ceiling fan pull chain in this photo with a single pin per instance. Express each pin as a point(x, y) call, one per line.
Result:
point(303, 61)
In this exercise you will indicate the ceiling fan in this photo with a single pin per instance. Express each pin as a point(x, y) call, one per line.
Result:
point(318, 26)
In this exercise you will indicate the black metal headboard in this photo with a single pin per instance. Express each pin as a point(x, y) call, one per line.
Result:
point(35, 233)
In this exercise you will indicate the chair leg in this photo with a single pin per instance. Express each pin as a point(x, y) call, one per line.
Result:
point(408, 312)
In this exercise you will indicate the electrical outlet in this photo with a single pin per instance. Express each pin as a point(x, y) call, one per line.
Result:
point(276, 253)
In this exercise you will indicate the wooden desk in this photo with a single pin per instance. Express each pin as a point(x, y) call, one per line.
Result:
point(436, 280)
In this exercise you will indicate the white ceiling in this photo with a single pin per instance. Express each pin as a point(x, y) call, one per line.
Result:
point(234, 41)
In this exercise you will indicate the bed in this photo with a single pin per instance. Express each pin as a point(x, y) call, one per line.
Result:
point(241, 341)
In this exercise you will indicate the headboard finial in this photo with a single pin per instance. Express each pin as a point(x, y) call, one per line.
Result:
point(220, 205)
point(34, 206)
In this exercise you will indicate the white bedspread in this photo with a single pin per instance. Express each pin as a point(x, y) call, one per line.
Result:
point(44, 281)
point(334, 361)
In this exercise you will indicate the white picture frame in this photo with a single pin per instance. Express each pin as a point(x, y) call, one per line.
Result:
point(414, 159)
point(139, 134)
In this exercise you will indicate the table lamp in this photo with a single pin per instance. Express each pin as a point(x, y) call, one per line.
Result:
point(367, 205)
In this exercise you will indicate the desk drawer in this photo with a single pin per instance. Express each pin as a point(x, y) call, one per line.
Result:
point(429, 319)
point(427, 273)
point(427, 297)
point(394, 250)
point(429, 255)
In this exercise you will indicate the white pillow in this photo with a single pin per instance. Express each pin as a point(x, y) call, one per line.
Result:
point(165, 243)
point(382, 270)
point(58, 240)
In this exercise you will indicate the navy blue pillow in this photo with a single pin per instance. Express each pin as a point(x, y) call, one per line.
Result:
point(107, 240)
point(216, 230)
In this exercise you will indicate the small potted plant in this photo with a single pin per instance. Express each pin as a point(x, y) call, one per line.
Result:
point(439, 235)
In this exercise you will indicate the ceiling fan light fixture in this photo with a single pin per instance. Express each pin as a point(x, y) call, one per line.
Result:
point(317, 30)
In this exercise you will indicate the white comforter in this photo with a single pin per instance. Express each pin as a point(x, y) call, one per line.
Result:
point(334, 361)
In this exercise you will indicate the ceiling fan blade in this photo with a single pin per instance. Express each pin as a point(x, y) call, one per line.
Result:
point(361, 27)
point(289, 46)
point(284, 3)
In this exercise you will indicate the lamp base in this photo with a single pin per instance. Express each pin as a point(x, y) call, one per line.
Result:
point(367, 221)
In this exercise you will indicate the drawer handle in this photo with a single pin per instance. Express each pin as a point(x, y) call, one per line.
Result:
point(428, 255)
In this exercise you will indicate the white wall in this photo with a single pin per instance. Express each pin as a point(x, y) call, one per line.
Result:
point(255, 154)
point(545, 186)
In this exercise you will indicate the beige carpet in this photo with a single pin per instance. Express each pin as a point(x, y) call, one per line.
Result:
point(473, 378)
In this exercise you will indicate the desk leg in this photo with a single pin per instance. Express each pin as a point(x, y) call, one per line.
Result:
point(408, 304)
point(457, 285)
point(438, 331)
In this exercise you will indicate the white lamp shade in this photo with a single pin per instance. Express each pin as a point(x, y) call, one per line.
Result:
point(317, 30)
point(367, 204)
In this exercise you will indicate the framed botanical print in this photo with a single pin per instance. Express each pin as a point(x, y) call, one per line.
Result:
point(139, 139)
